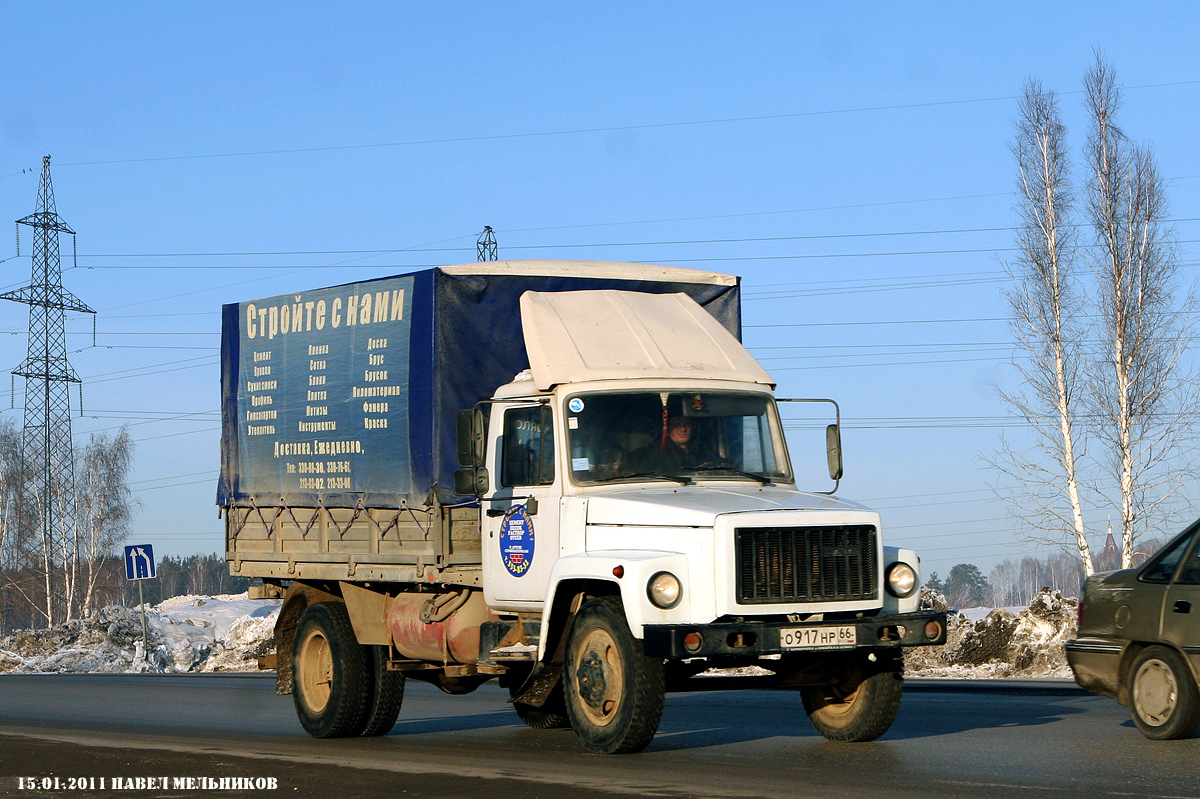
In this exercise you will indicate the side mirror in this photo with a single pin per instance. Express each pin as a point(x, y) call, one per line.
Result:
point(833, 451)
point(472, 439)
point(471, 481)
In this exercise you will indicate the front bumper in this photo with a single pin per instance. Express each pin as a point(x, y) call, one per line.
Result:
point(757, 638)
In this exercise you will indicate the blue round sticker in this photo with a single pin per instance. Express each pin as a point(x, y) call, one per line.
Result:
point(516, 540)
point(575, 405)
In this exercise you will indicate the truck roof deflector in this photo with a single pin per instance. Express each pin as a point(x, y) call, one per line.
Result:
point(575, 336)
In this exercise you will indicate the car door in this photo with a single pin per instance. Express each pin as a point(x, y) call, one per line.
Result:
point(521, 520)
point(1181, 607)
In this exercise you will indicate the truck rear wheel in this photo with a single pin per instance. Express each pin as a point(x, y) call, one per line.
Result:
point(614, 693)
point(330, 688)
point(862, 710)
point(386, 693)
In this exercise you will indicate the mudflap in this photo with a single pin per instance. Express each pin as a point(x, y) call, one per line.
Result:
point(540, 683)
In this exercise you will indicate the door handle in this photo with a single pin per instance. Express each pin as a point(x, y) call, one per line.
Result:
point(1182, 606)
point(531, 505)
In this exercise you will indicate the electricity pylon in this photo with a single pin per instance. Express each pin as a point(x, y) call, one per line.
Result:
point(48, 452)
point(485, 245)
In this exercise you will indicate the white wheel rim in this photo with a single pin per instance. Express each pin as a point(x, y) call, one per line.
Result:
point(1155, 692)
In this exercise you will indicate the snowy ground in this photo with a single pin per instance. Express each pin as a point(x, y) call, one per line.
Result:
point(185, 633)
point(230, 633)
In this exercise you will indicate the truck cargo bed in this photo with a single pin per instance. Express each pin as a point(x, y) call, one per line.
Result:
point(405, 545)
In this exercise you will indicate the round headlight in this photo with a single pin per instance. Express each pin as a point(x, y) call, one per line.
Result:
point(901, 580)
point(664, 590)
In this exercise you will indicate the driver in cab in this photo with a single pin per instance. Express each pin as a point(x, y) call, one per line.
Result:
point(677, 453)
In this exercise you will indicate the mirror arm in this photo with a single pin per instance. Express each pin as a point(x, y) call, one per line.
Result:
point(837, 425)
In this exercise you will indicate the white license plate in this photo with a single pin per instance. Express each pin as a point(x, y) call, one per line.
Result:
point(817, 637)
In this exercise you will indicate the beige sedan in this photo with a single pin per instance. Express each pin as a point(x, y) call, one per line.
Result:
point(1139, 638)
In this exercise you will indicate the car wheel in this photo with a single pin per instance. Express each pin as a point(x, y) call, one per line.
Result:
point(1162, 695)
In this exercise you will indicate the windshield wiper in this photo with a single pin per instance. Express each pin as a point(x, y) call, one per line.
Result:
point(683, 481)
point(761, 478)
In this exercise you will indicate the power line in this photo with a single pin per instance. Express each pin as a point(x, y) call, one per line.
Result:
point(897, 363)
point(931, 494)
point(546, 134)
point(889, 322)
point(212, 472)
point(172, 485)
point(138, 371)
point(883, 354)
point(602, 129)
point(881, 346)
point(583, 245)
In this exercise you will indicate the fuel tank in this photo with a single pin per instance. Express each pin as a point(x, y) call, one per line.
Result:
point(439, 628)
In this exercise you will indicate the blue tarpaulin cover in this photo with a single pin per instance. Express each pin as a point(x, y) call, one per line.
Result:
point(345, 394)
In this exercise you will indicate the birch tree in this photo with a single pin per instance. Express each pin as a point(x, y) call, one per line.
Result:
point(11, 479)
point(104, 510)
point(1042, 485)
point(1143, 402)
point(60, 583)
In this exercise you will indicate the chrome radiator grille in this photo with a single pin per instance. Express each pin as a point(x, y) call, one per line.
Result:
point(805, 564)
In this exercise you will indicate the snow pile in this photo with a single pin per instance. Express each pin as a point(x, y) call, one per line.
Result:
point(1025, 644)
point(227, 632)
point(110, 641)
point(185, 633)
point(230, 633)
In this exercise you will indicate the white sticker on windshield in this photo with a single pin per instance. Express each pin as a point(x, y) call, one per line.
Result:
point(573, 422)
point(580, 464)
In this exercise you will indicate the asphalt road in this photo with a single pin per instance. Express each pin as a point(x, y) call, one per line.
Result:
point(961, 742)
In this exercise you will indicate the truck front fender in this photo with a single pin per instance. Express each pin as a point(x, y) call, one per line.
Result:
point(625, 573)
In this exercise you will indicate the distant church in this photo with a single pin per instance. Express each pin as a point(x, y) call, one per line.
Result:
point(1109, 558)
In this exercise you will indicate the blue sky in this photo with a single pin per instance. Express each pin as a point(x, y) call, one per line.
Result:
point(779, 142)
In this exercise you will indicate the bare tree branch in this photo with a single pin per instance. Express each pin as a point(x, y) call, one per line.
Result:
point(1142, 401)
point(1044, 313)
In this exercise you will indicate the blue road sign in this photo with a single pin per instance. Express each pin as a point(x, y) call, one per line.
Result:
point(139, 562)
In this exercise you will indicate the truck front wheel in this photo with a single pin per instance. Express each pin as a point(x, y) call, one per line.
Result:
point(331, 687)
point(552, 715)
point(614, 693)
point(860, 709)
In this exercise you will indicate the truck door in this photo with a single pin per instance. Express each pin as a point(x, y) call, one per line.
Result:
point(521, 515)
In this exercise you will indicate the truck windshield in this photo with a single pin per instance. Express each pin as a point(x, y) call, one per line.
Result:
point(679, 436)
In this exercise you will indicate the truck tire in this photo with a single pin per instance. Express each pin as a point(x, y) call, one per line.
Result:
point(552, 715)
point(614, 693)
point(330, 685)
point(385, 693)
point(1162, 695)
point(862, 713)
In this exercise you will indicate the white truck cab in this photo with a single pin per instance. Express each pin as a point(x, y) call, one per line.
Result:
point(642, 458)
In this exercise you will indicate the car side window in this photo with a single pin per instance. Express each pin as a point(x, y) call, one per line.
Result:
point(1164, 564)
point(1189, 572)
point(528, 457)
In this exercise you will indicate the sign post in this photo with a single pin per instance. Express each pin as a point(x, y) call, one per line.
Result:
point(139, 565)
